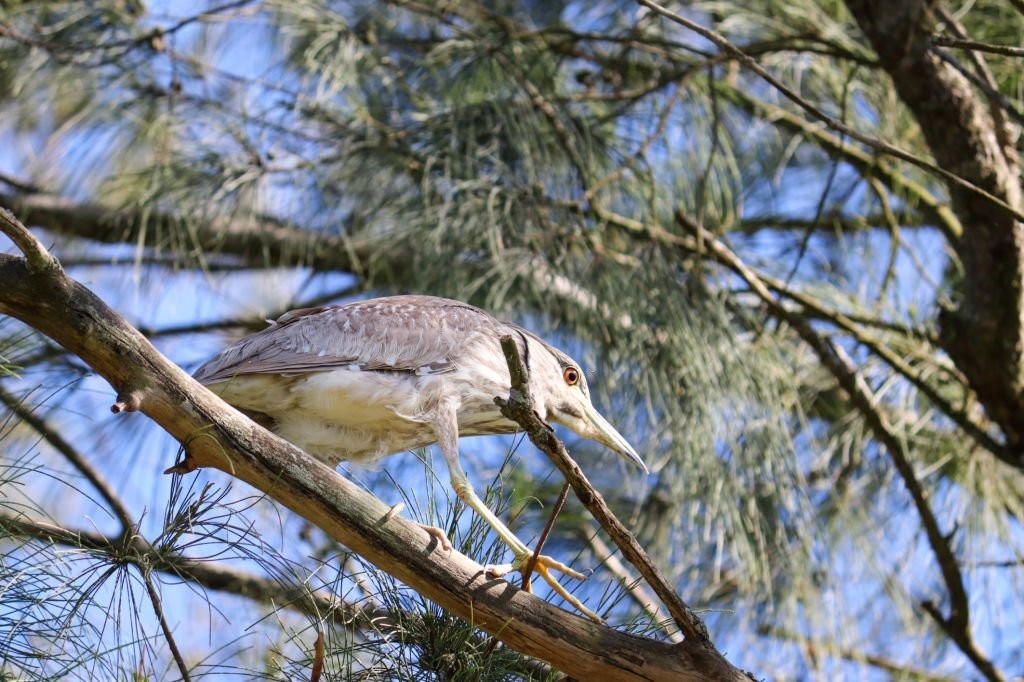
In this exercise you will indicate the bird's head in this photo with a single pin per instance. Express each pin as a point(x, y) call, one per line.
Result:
point(560, 389)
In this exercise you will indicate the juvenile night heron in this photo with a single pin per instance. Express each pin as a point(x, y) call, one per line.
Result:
point(368, 379)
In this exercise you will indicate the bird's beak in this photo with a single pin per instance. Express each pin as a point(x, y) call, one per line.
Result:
point(605, 433)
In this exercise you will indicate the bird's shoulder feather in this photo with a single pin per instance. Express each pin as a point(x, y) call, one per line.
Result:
point(415, 334)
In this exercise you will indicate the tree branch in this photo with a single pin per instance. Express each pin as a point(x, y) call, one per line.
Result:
point(832, 357)
point(210, 576)
point(868, 165)
point(819, 648)
point(75, 458)
point(216, 435)
point(984, 335)
point(962, 182)
point(256, 241)
point(519, 408)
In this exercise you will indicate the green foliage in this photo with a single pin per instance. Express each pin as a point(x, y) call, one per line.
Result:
point(548, 161)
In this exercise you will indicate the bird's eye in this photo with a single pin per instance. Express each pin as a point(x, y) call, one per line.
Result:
point(571, 376)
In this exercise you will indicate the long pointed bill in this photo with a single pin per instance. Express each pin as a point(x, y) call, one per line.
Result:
point(605, 433)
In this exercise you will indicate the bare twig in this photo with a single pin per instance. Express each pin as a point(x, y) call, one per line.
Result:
point(527, 569)
point(158, 609)
point(520, 409)
point(36, 255)
point(824, 648)
point(318, 657)
point(974, 45)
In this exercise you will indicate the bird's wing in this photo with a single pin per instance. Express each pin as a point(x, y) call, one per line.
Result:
point(415, 334)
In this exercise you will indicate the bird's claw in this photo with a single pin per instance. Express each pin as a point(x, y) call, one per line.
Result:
point(439, 535)
point(545, 563)
point(543, 567)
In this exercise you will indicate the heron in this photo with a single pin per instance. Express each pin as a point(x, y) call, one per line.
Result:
point(363, 380)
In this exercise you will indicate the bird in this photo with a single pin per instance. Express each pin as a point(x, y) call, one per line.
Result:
point(363, 380)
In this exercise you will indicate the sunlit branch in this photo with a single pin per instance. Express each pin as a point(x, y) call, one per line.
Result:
point(817, 113)
point(818, 648)
point(211, 576)
point(957, 623)
point(519, 407)
point(215, 435)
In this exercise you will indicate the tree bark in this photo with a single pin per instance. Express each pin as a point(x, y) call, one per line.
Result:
point(985, 334)
point(253, 241)
point(36, 291)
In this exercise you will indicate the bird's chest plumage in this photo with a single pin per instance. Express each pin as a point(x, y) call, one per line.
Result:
point(362, 415)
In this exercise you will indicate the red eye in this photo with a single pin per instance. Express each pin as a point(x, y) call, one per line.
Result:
point(571, 376)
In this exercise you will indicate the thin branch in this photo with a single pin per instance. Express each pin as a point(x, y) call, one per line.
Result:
point(833, 358)
point(519, 408)
point(527, 569)
point(75, 458)
point(816, 112)
point(172, 644)
point(999, 105)
point(829, 222)
point(974, 45)
point(209, 576)
point(901, 671)
point(868, 165)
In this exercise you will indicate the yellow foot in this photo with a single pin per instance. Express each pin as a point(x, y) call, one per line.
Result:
point(544, 566)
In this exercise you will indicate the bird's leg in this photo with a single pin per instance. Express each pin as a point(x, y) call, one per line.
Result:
point(448, 439)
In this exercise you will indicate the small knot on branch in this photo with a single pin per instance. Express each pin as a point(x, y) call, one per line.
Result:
point(127, 401)
point(184, 466)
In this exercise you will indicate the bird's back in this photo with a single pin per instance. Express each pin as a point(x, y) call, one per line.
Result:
point(417, 334)
point(359, 381)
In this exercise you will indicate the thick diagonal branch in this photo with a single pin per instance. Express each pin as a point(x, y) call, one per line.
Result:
point(216, 435)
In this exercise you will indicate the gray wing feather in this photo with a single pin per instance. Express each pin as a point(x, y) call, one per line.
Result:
point(416, 334)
